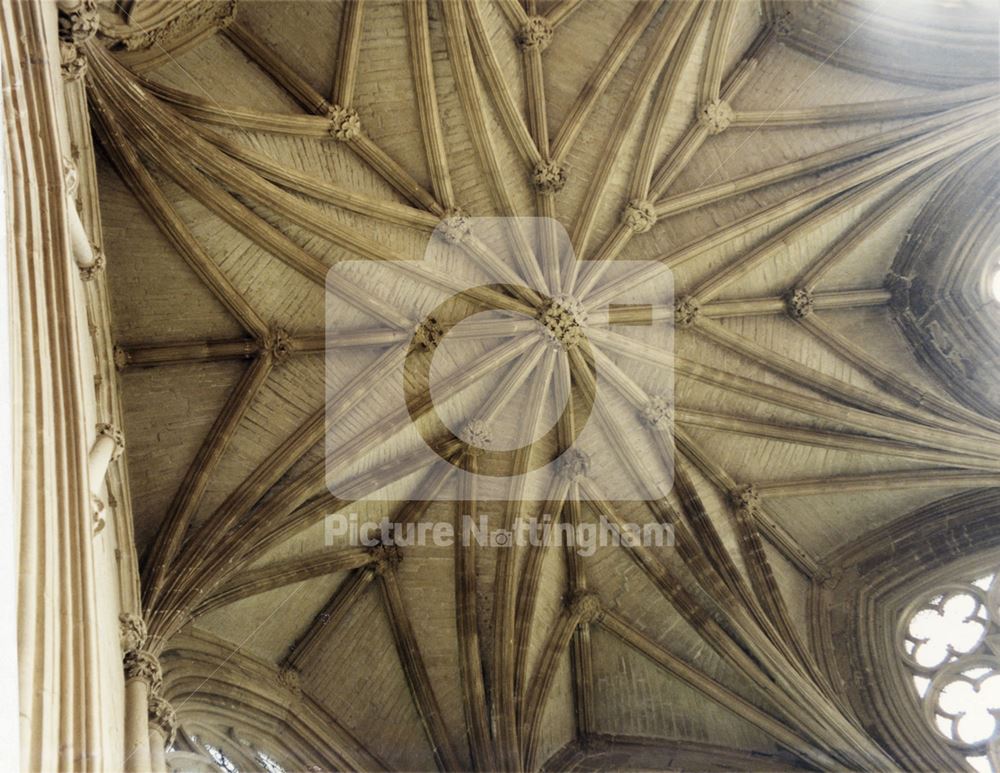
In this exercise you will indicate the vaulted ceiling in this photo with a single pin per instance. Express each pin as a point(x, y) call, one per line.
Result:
point(772, 156)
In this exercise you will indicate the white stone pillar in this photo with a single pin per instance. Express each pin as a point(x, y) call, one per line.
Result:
point(142, 677)
point(109, 446)
point(162, 724)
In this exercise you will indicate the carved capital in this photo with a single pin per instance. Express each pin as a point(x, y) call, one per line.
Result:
point(131, 631)
point(715, 116)
point(163, 716)
point(536, 33)
point(639, 215)
point(586, 607)
point(800, 303)
point(658, 412)
point(562, 318)
point(78, 20)
point(72, 62)
point(278, 344)
point(385, 558)
point(144, 665)
point(573, 465)
point(455, 226)
point(344, 122)
point(87, 273)
point(548, 177)
point(686, 311)
point(428, 334)
point(110, 431)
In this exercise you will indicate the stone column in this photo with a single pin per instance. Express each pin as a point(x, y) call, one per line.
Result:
point(162, 724)
point(109, 446)
point(142, 678)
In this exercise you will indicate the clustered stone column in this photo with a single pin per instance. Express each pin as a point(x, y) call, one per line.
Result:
point(149, 719)
point(162, 726)
point(78, 23)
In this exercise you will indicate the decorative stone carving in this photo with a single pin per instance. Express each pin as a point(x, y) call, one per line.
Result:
point(428, 334)
point(455, 226)
point(783, 26)
point(715, 116)
point(162, 714)
point(686, 311)
point(72, 62)
point(97, 512)
point(345, 124)
point(188, 21)
point(586, 607)
point(573, 465)
point(563, 319)
point(548, 177)
point(800, 303)
point(71, 177)
point(78, 20)
point(131, 631)
point(87, 273)
point(536, 33)
point(110, 431)
point(478, 434)
point(144, 665)
point(746, 499)
point(385, 557)
point(279, 344)
point(658, 412)
point(121, 358)
point(289, 678)
point(639, 215)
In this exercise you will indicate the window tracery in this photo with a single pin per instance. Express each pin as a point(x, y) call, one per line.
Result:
point(266, 763)
point(950, 643)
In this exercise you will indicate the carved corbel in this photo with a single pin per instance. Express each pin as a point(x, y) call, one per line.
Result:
point(78, 20)
point(131, 631)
